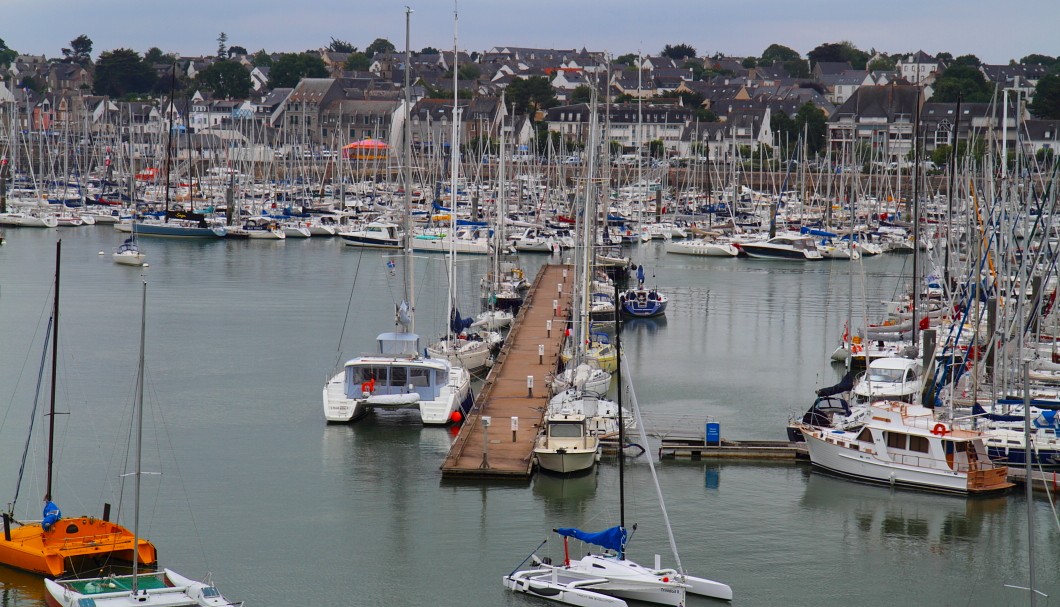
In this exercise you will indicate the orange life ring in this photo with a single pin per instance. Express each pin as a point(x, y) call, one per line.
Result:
point(940, 430)
point(368, 386)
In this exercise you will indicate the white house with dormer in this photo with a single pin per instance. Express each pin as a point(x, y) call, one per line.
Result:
point(919, 68)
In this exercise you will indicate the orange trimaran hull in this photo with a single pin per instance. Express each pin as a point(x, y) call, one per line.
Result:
point(33, 549)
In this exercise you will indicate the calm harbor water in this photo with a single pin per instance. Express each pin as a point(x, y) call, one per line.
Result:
point(284, 509)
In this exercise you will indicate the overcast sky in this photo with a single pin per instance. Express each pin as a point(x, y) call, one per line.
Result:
point(993, 30)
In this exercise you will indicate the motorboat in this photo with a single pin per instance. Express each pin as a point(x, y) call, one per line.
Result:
point(29, 220)
point(565, 445)
point(785, 247)
point(376, 235)
point(905, 445)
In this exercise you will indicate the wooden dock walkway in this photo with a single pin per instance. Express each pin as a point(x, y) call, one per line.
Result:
point(499, 451)
point(696, 449)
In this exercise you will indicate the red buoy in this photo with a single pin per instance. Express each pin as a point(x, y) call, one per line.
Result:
point(456, 417)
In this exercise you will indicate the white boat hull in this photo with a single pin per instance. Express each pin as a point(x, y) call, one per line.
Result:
point(706, 249)
point(129, 258)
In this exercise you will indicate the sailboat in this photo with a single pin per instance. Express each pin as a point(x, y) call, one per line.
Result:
point(467, 350)
point(160, 589)
point(57, 544)
point(398, 376)
point(609, 577)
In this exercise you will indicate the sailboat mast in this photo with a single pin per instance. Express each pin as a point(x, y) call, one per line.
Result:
point(55, 350)
point(139, 437)
point(454, 167)
point(169, 136)
point(916, 218)
point(406, 166)
point(621, 424)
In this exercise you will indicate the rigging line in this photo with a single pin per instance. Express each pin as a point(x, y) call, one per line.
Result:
point(651, 466)
point(33, 414)
point(349, 304)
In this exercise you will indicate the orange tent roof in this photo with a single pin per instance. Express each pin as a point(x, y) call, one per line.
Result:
point(366, 144)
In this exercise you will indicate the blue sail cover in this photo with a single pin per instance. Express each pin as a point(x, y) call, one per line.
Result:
point(51, 515)
point(611, 539)
point(458, 324)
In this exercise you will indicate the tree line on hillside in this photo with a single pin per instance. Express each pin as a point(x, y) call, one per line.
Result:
point(126, 74)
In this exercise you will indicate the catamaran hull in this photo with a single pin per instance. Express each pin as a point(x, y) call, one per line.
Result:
point(557, 590)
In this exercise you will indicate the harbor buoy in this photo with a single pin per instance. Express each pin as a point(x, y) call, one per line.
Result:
point(456, 417)
point(101, 252)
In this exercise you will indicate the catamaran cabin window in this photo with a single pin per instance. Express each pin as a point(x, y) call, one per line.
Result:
point(918, 444)
point(420, 377)
point(399, 376)
point(359, 375)
point(565, 430)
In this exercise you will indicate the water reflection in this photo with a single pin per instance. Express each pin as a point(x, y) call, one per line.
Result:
point(565, 495)
point(902, 516)
point(18, 588)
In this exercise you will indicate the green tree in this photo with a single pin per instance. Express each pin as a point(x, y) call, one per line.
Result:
point(341, 46)
point(811, 120)
point(357, 62)
point(797, 68)
point(777, 52)
point(1046, 103)
point(123, 72)
point(614, 148)
point(749, 62)
point(944, 57)
point(261, 59)
point(697, 67)
point(154, 55)
point(80, 51)
point(628, 59)
point(7, 55)
point(784, 128)
point(967, 60)
point(290, 68)
point(678, 52)
point(467, 71)
point(941, 155)
point(531, 94)
point(237, 51)
point(1037, 59)
point(31, 83)
point(656, 148)
point(965, 80)
point(379, 45)
point(222, 49)
point(882, 64)
point(226, 79)
point(429, 50)
point(581, 94)
point(839, 52)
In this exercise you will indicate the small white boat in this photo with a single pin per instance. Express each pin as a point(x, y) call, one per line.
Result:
point(376, 235)
point(565, 445)
point(295, 230)
point(583, 377)
point(471, 354)
point(129, 254)
point(29, 220)
point(707, 247)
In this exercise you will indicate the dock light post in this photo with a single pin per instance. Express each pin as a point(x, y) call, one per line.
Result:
point(564, 274)
point(485, 442)
point(559, 287)
point(540, 354)
point(555, 306)
point(515, 427)
point(529, 386)
point(548, 328)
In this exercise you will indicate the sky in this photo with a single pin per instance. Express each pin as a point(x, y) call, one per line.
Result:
point(992, 30)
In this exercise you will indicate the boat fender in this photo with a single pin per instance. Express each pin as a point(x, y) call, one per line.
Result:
point(940, 430)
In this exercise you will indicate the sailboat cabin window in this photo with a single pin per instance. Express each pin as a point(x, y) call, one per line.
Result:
point(896, 440)
point(918, 444)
